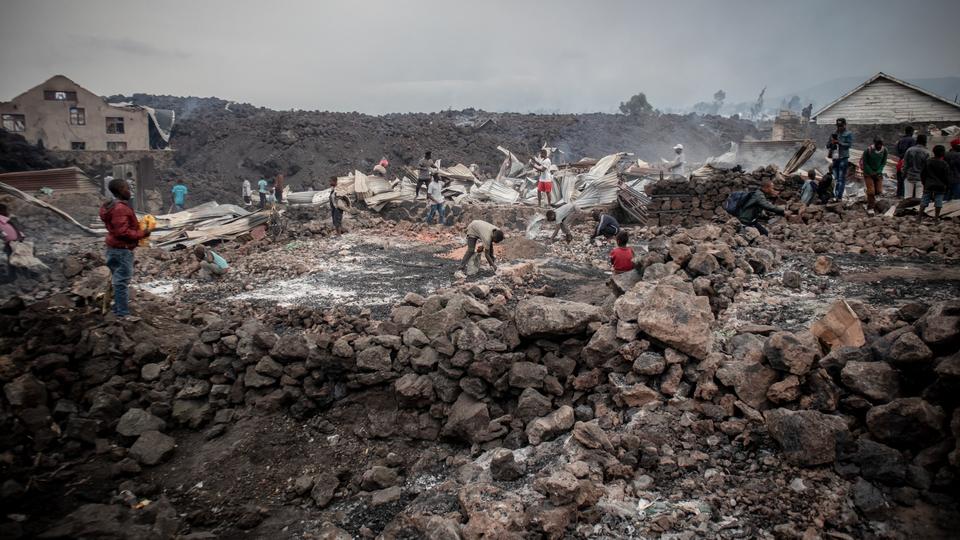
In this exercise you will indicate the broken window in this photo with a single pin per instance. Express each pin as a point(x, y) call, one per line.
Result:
point(78, 116)
point(15, 123)
point(78, 145)
point(59, 95)
point(114, 124)
point(117, 146)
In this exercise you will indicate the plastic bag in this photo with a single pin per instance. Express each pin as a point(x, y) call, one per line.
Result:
point(148, 223)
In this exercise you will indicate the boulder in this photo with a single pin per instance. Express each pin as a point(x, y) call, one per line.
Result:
point(504, 466)
point(791, 279)
point(807, 437)
point(560, 487)
point(379, 477)
point(670, 316)
point(878, 462)
point(636, 395)
point(549, 426)
point(374, 358)
point(907, 422)
point(940, 326)
point(542, 315)
point(876, 380)
point(324, 487)
point(291, 348)
point(908, 349)
point(702, 264)
point(414, 390)
point(468, 419)
point(824, 266)
point(649, 363)
point(255, 380)
point(26, 391)
point(414, 337)
point(527, 375)
point(269, 367)
point(750, 381)
point(794, 353)
point(136, 421)
point(532, 404)
point(784, 391)
point(152, 447)
point(591, 435)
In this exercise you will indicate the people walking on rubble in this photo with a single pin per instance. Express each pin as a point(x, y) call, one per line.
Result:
point(336, 213)
point(425, 170)
point(936, 180)
point(487, 234)
point(607, 225)
point(123, 235)
point(563, 217)
point(754, 205)
point(679, 164)
point(874, 160)
point(278, 184)
point(545, 180)
point(809, 191)
point(179, 192)
point(210, 263)
point(905, 143)
point(953, 161)
point(262, 186)
point(621, 257)
point(246, 192)
point(435, 196)
point(840, 143)
point(380, 169)
point(914, 160)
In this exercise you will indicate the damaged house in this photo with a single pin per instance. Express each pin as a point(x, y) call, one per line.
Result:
point(62, 115)
point(883, 99)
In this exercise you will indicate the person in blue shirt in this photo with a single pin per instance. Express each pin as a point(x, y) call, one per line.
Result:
point(211, 264)
point(262, 189)
point(179, 196)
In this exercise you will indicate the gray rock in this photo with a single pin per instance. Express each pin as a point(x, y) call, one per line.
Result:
point(542, 315)
point(532, 404)
point(807, 437)
point(504, 466)
point(152, 447)
point(675, 318)
point(194, 389)
point(136, 422)
point(374, 358)
point(269, 367)
point(548, 427)
point(379, 477)
point(907, 422)
point(750, 381)
point(151, 372)
point(255, 380)
point(414, 337)
point(794, 353)
point(940, 326)
point(527, 375)
point(876, 380)
point(324, 487)
point(702, 264)
point(468, 419)
point(868, 499)
point(649, 363)
point(791, 279)
point(26, 391)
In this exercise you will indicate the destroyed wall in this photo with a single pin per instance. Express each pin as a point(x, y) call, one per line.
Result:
point(689, 202)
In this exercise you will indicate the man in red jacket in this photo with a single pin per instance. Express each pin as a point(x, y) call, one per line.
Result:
point(123, 235)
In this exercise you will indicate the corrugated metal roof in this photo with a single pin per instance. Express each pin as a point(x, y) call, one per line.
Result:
point(68, 180)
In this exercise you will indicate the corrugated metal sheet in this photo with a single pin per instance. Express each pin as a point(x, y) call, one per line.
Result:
point(68, 180)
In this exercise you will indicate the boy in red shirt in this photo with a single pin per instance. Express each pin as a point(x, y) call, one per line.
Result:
point(621, 257)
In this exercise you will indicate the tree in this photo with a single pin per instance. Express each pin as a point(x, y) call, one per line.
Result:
point(794, 103)
point(637, 105)
point(719, 96)
point(757, 108)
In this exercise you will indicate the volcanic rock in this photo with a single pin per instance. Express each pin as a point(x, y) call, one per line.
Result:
point(543, 315)
point(152, 447)
point(549, 426)
point(135, 422)
point(794, 353)
point(807, 437)
point(876, 380)
point(906, 422)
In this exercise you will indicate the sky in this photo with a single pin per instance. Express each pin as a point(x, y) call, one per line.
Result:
point(381, 56)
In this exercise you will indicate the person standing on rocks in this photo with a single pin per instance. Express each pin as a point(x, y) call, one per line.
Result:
point(953, 160)
point(425, 170)
point(874, 160)
point(607, 225)
point(487, 234)
point(262, 191)
point(936, 180)
point(246, 192)
point(179, 192)
point(563, 217)
point(435, 197)
point(336, 213)
point(278, 187)
point(756, 203)
point(914, 161)
point(545, 180)
point(123, 235)
point(905, 143)
point(840, 142)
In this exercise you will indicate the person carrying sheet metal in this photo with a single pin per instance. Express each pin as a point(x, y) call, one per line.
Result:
point(564, 217)
point(123, 236)
point(545, 180)
point(487, 234)
point(607, 225)
point(425, 170)
point(179, 192)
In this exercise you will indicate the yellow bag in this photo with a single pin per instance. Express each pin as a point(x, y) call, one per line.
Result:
point(148, 223)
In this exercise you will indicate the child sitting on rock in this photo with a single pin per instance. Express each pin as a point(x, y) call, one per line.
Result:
point(621, 257)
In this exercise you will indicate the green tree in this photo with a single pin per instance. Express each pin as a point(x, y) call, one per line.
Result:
point(637, 105)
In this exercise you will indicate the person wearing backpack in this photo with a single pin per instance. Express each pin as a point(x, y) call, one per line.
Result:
point(749, 206)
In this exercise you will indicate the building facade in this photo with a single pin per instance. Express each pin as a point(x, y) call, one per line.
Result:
point(62, 115)
point(883, 99)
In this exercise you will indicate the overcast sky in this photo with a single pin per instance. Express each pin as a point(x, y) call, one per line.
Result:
point(406, 55)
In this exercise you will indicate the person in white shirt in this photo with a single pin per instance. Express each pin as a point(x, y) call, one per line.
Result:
point(246, 192)
point(435, 198)
point(545, 183)
point(678, 165)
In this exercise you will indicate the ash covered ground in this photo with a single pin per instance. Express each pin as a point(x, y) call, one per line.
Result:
point(354, 387)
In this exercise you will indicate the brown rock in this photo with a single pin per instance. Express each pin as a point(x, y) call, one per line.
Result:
point(876, 380)
point(807, 437)
point(794, 353)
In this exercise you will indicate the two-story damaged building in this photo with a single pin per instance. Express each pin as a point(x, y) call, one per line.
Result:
point(62, 115)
